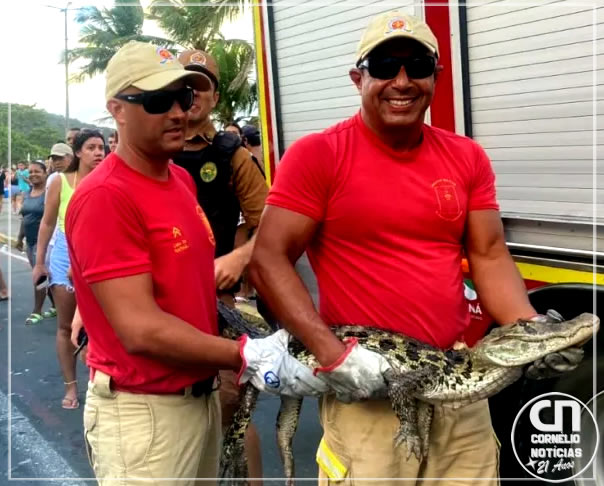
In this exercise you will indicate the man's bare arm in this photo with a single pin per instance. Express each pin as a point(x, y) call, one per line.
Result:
point(494, 273)
point(144, 328)
point(282, 237)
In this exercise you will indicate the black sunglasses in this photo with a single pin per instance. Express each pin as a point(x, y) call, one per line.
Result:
point(418, 67)
point(160, 101)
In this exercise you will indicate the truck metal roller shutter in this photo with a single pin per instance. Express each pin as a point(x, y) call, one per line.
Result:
point(536, 76)
point(315, 45)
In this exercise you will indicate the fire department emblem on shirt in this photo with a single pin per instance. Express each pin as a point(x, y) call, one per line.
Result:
point(180, 243)
point(206, 223)
point(448, 206)
point(208, 172)
point(398, 23)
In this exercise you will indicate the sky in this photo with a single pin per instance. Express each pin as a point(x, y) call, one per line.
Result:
point(34, 76)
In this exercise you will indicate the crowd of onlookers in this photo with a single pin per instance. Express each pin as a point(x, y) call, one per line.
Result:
point(15, 182)
point(250, 139)
point(39, 192)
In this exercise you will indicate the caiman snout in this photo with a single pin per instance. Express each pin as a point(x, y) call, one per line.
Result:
point(527, 341)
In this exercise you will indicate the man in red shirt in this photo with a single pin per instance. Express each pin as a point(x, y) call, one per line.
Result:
point(142, 256)
point(385, 205)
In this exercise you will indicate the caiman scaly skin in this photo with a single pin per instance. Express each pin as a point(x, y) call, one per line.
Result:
point(287, 424)
point(421, 375)
point(233, 462)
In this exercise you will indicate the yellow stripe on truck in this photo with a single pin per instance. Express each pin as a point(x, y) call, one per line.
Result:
point(262, 91)
point(329, 463)
point(542, 273)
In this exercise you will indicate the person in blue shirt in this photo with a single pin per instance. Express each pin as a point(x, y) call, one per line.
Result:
point(22, 176)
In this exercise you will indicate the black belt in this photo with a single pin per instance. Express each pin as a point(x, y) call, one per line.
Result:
point(202, 388)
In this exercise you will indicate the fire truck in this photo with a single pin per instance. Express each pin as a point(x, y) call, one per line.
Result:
point(525, 80)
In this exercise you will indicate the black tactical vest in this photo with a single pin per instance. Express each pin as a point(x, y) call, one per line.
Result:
point(211, 170)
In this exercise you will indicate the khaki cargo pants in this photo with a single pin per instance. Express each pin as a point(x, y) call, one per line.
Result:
point(161, 438)
point(358, 443)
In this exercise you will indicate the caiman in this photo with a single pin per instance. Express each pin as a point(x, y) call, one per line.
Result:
point(421, 376)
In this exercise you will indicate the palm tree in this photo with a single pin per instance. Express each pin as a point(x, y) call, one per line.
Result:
point(191, 25)
point(105, 31)
point(198, 27)
point(238, 97)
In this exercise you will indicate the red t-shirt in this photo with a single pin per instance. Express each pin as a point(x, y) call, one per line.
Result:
point(389, 246)
point(120, 223)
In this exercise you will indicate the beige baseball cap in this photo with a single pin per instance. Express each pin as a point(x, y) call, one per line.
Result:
point(395, 24)
point(61, 150)
point(149, 68)
point(196, 60)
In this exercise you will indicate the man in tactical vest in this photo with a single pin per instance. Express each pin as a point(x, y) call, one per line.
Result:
point(228, 182)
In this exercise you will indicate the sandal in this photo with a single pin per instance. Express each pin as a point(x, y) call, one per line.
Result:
point(51, 312)
point(70, 403)
point(34, 318)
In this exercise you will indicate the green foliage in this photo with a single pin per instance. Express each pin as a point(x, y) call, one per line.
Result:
point(21, 146)
point(33, 132)
point(104, 31)
point(198, 27)
point(235, 59)
point(250, 120)
point(191, 25)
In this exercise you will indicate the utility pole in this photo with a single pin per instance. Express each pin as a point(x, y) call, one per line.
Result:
point(66, 73)
point(66, 60)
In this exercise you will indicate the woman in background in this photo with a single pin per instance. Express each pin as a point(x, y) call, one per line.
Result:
point(32, 211)
point(89, 151)
point(233, 128)
point(112, 141)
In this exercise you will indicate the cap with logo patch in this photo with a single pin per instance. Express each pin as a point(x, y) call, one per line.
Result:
point(200, 61)
point(61, 150)
point(252, 135)
point(392, 25)
point(149, 68)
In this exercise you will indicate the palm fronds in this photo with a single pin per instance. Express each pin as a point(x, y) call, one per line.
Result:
point(235, 59)
point(104, 31)
point(194, 26)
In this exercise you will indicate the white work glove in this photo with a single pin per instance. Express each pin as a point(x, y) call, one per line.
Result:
point(357, 375)
point(557, 363)
point(270, 368)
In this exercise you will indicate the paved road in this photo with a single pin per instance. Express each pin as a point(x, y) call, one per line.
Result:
point(46, 441)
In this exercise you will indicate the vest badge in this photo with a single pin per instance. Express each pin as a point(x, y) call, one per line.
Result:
point(208, 172)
